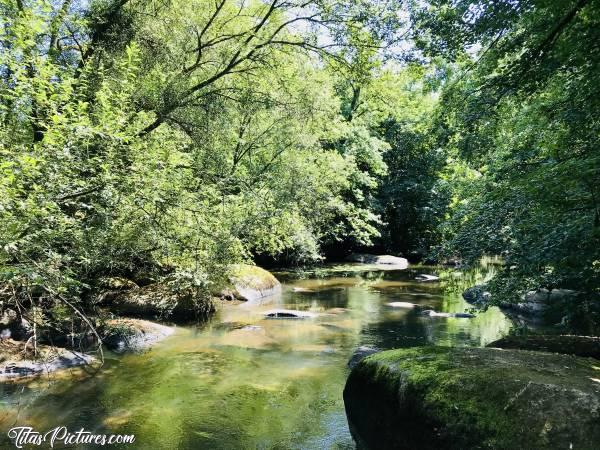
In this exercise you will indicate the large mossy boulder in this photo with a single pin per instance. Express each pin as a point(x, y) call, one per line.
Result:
point(253, 283)
point(468, 398)
point(159, 301)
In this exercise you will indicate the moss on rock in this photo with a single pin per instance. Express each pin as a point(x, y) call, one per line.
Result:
point(439, 397)
point(159, 301)
point(253, 282)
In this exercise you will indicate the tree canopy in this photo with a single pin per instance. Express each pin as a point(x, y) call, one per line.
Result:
point(169, 140)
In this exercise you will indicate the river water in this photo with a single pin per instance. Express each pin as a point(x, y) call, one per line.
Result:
point(242, 381)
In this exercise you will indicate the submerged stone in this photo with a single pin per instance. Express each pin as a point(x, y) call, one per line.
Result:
point(468, 398)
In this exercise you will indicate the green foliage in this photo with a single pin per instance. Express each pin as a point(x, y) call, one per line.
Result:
point(411, 196)
point(520, 125)
point(169, 142)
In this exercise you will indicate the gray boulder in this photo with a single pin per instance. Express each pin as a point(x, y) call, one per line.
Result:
point(14, 326)
point(133, 335)
point(538, 302)
point(536, 308)
point(361, 353)
point(387, 261)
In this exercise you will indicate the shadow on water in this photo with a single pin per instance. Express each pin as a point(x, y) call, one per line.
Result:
point(244, 381)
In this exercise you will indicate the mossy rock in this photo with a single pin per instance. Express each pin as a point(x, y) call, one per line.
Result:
point(588, 346)
point(471, 398)
point(253, 282)
point(158, 301)
point(133, 335)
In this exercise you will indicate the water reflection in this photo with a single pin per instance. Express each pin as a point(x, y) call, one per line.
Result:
point(244, 381)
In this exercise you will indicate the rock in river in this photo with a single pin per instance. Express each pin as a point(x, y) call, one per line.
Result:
point(474, 398)
point(432, 313)
point(544, 305)
point(18, 360)
point(288, 314)
point(254, 283)
point(301, 289)
point(133, 335)
point(361, 353)
point(159, 301)
point(537, 307)
point(387, 261)
point(406, 305)
point(477, 295)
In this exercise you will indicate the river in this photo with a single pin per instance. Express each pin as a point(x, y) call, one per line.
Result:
point(242, 381)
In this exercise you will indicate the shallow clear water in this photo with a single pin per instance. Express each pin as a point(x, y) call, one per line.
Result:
point(243, 381)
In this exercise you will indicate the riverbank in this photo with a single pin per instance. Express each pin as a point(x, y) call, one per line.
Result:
point(21, 359)
point(128, 331)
